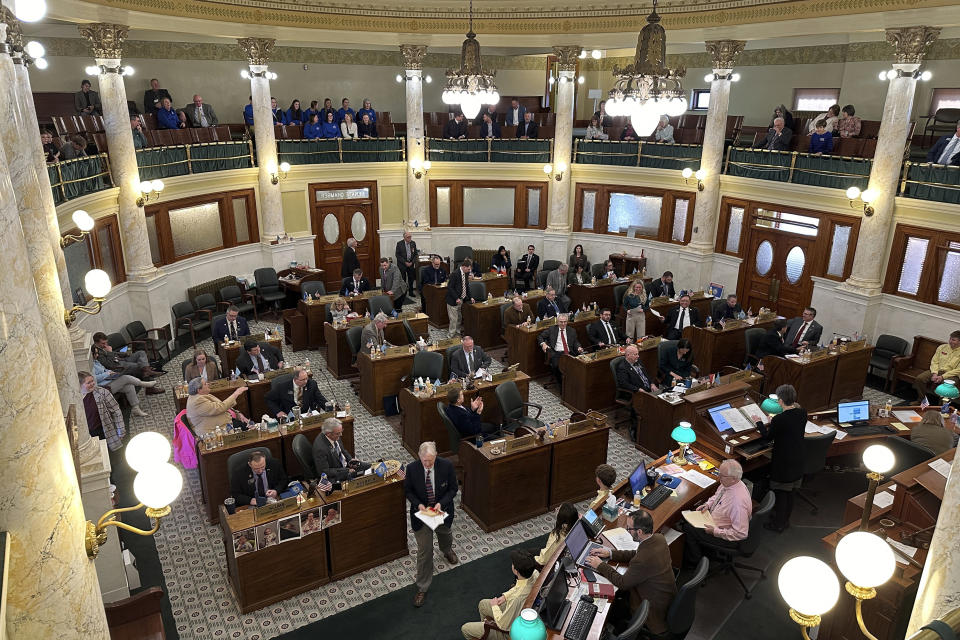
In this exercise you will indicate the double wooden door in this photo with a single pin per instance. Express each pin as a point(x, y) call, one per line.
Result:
point(776, 272)
point(333, 220)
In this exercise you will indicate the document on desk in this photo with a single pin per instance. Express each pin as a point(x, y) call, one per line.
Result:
point(431, 521)
point(883, 500)
point(621, 539)
point(906, 415)
point(737, 420)
point(902, 549)
point(697, 478)
point(941, 466)
point(698, 519)
point(754, 413)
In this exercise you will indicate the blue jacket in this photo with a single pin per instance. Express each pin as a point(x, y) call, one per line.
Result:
point(167, 119)
point(248, 115)
point(937, 150)
point(369, 112)
point(309, 112)
point(342, 112)
point(821, 143)
point(311, 131)
point(220, 328)
point(102, 374)
point(293, 118)
point(330, 130)
point(466, 421)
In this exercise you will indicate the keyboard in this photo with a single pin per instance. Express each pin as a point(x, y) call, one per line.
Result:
point(868, 430)
point(580, 623)
point(755, 446)
point(656, 496)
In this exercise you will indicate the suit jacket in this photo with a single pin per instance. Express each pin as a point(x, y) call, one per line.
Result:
point(557, 281)
point(401, 254)
point(194, 120)
point(529, 129)
point(466, 420)
point(775, 142)
point(659, 288)
point(527, 265)
point(151, 99)
point(455, 287)
point(814, 331)
point(496, 130)
point(513, 317)
point(628, 377)
point(671, 320)
point(346, 287)
point(670, 361)
point(349, 262)
point(520, 111)
point(192, 371)
point(267, 351)
point(546, 310)
point(597, 333)
point(220, 328)
point(80, 102)
point(728, 313)
point(772, 344)
point(281, 398)
point(445, 488)
point(369, 334)
point(243, 484)
point(937, 150)
point(458, 362)
point(478, 121)
point(328, 462)
point(649, 576)
point(454, 129)
point(391, 280)
point(550, 336)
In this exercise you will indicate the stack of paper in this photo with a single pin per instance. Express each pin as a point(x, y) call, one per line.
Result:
point(901, 549)
point(755, 413)
point(621, 539)
point(697, 478)
point(941, 466)
point(883, 500)
point(431, 521)
point(698, 519)
point(907, 415)
point(737, 420)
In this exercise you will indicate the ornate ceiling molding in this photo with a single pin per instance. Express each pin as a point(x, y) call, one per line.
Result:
point(413, 55)
point(724, 52)
point(257, 49)
point(105, 39)
point(911, 43)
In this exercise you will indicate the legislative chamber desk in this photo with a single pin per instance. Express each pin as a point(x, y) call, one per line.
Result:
point(361, 303)
point(212, 464)
point(656, 327)
point(624, 265)
point(588, 382)
point(339, 357)
point(828, 377)
point(714, 349)
point(292, 279)
point(482, 320)
point(231, 350)
point(504, 489)
point(420, 421)
point(434, 297)
point(380, 376)
point(522, 347)
point(601, 293)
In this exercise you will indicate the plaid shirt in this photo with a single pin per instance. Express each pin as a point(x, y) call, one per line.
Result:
point(111, 417)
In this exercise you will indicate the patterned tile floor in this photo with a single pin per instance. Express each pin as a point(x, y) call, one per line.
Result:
point(191, 550)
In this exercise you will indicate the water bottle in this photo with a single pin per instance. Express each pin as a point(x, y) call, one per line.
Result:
point(306, 296)
point(709, 321)
point(636, 498)
point(479, 440)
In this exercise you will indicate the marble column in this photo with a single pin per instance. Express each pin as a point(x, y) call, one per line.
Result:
point(417, 215)
point(271, 208)
point(106, 44)
point(724, 54)
point(910, 44)
point(558, 219)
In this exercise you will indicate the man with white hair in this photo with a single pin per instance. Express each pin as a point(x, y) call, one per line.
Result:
point(350, 260)
point(430, 484)
point(730, 507)
point(778, 137)
point(331, 457)
point(372, 334)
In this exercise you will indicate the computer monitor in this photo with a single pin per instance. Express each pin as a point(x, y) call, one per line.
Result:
point(853, 411)
point(638, 479)
point(554, 599)
point(576, 540)
point(719, 420)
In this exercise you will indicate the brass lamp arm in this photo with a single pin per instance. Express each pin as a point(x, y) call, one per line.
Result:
point(863, 627)
point(109, 514)
point(67, 239)
point(70, 315)
point(96, 534)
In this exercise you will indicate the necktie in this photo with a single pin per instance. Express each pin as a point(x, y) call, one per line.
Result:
point(261, 365)
point(201, 117)
point(340, 455)
point(408, 251)
point(683, 316)
point(356, 286)
point(610, 338)
point(555, 307)
point(563, 341)
point(643, 376)
point(463, 286)
point(470, 362)
point(796, 339)
point(261, 490)
point(431, 498)
point(948, 151)
point(233, 330)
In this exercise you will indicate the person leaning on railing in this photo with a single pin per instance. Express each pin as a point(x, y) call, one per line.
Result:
point(76, 147)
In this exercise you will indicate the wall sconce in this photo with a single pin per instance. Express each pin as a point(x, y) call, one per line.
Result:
point(97, 283)
point(732, 77)
point(84, 222)
point(866, 197)
point(699, 174)
point(421, 169)
point(99, 70)
point(890, 74)
point(878, 459)
point(246, 75)
point(156, 485)
point(149, 190)
point(34, 51)
point(555, 170)
point(810, 588)
point(284, 170)
point(866, 561)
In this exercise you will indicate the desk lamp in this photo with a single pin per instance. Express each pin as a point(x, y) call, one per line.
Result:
point(866, 561)
point(878, 459)
point(771, 405)
point(683, 435)
point(948, 391)
point(528, 626)
point(810, 588)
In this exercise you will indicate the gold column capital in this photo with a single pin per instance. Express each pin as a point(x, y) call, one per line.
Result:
point(911, 43)
point(258, 50)
point(413, 55)
point(724, 52)
point(105, 38)
point(567, 57)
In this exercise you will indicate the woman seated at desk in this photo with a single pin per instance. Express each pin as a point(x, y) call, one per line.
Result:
point(202, 367)
point(340, 311)
point(785, 471)
point(931, 433)
point(676, 362)
point(579, 275)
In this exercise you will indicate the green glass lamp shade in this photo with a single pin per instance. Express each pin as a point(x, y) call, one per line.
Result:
point(947, 389)
point(528, 626)
point(771, 406)
point(683, 434)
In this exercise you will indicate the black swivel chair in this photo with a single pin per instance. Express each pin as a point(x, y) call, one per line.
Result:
point(619, 290)
point(455, 439)
point(550, 265)
point(886, 349)
point(906, 454)
point(683, 609)
point(353, 341)
point(239, 459)
point(269, 291)
point(410, 333)
point(632, 632)
point(727, 556)
point(244, 302)
point(460, 253)
point(752, 337)
point(503, 329)
point(303, 451)
point(380, 304)
point(478, 291)
point(427, 365)
point(814, 460)
point(313, 288)
point(513, 407)
point(623, 397)
point(596, 270)
point(716, 307)
point(448, 354)
point(542, 278)
point(154, 345)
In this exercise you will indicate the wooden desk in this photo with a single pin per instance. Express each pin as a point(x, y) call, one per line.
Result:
point(220, 389)
point(522, 347)
point(588, 382)
point(851, 374)
point(481, 321)
point(496, 285)
point(587, 294)
point(339, 357)
point(361, 303)
point(380, 377)
point(230, 351)
point(624, 264)
point(435, 304)
point(292, 279)
point(315, 311)
point(714, 349)
point(655, 326)
point(420, 421)
point(822, 382)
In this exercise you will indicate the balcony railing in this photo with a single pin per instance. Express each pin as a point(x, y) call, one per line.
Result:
point(838, 172)
point(654, 155)
point(335, 150)
point(931, 182)
point(489, 150)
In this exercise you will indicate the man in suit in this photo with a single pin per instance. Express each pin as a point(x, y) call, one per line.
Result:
point(515, 113)
point(372, 334)
point(680, 318)
point(331, 457)
point(946, 150)
point(153, 96)
point(804, 330)
point(558, 340)
point(407, 256)
point(455, 128)
point(434, 273)
point(257, 481)
point(465, 362)
point(729, 310)
point(303, 392)
point(349, 263)
point(649, 575)
point(604, 332)
point(772, 343)
point(259, 358)
point(86, 102)
point(517, 313)
point(231, 326)
point(662, 286)
point(490, 111)
point(630, 373)
point(430, 482)
point(550, 306)
point(527, 268)
point(355, 284)
point(458, 292)
point(489, 128)
point(200, 114)
point(468, 420)
point(557, 280)
point(392, 282)
point(778, 137)
point(528, 129)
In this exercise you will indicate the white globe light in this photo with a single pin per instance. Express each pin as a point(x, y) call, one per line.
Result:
point(552, 80)
point(29, 10)
point(563, 79)
point(676, 107)
point(891, 74)
point(700, 174)
point(97, 283)
point(128, 70)
point(561, 167)
point(34, 49)
point(146, 450)
point(925, 76)
point(708, 77)
point(158, 185)
point(548, 169)
point(808, 585)
point(429, 79)
point(878, 459)
point(92, 70)
point(399, 78)
point(853, 193)
point(686, 173)
point(583, 53)
point(470, 105)
point(595, 54)
point(735, 77)
point(865, 559)
point(581, 80)
point(245, 74)
point(426, 165)
point(83, 220)
point(883, 75)
point(146, 186)
point(41, 63)
point(158, 486)
point(645, 121)
point(284, 167)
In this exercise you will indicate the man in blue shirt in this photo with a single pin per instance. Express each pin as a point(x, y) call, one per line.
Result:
point(345, 109)
point(248, 113)
point(167, 118)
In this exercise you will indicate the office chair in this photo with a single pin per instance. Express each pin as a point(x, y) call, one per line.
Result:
point(542, 278)
point(683, 609)
point(887, 348)
point(478, 291)
point(268, 287)
point(513, 406)
point(303, 451)
point(459, 254)
point(154, 346)
point(550, 265)
point(503, 330)
point(313, 287)
point(814, 460)
point(409, 332)
point(210, 358)
point(906, 454)
point(239, 460)
point(752, 338)
point(244, 302)
point(426, 365)
point(353, 341)
point(727, 556)
point(596, 270)
point(632, 632)
point(380, 303)
point(188, 319)
point(623, 397)
point(454, 441)
point(619, 291)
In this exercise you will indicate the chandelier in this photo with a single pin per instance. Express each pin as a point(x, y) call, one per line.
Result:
point(646, 89)
point(469, 86)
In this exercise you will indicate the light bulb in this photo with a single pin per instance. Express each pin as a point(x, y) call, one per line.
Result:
point(645, 121)
point(92, 70)
point(583, 53)
point(146, 187)
point(561, 167)
point(676, 107)
point(416, 165)
point(595, 54)
point(878, 459)
point(551, 80)
point(41, 63)
point(868, 196)
point(735, 77)
point(563, 79)
point(853, 193)
point(548, 169)
point(158, 486)
point(284, 167)
point(708, 77)
point(97, 283)
point(34, 49)
point(883, 75)
point(399, 78)
point(29, 10)
point(891, 74)
point(700, 174)
point(470, 105)
point(429, 79)
point(925, 76)
point(147, 449)
point(426, 165)
point(128, 70)
point(865, 559)
point(245, 74)
point(686, 173)
point(809, 586)
point(83, 220)
point(158, 185)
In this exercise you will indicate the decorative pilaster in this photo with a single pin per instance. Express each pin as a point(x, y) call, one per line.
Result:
point(271, 208)
point(558, 219)
point(417, 215)
point(910, 45)
point(724, 54)
point(106, 43)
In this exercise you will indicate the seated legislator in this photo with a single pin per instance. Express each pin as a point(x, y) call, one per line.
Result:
point(340, 311)
point(630, 372)
point(567, 518)
point(468, 420)
point(635, 304)
point(804, 330)
point(372, 334)
point(434, 273)
point(680, 318)
point(200, 114)
point(313, 129)
point(604, 332)
point(466, 362)
point(355, 284)
point(579, 275)
point(729, 311)
point(730, 507)
point(201, 367)
point(392, 282)
point(232, 326)
point(772, 343)
point(551, 305)
point(259, 358)
point(329, 128)
point(303, 392)
point(527, 267)
point(558, 340)
point(257, 481)
point(366, 128)
point(931, 433)
point(505, 608)
point(676, 362)
point(489, 128)
point(517, 313)
point(456, 128)
point(785, 471)
point(528, 129)
point(609, 273)
point(663, 286)
point(649, 575)
point(500, 262)
point(944, 365)
point(331, 458)
point(205, 411)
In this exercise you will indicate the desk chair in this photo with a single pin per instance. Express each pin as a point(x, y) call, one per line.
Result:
point(410, 333)
point(239, 459)
point(353, 341)
point(619, 291)
point(503, 329)
point(232, 295)
point(426, 364)
point(281, 381)
point(542, 278)
point(459, 254)
point(727, 556)
point(752, 338)
point(450, 351)
point(313, 287)
point(887, 348)
point(454, 437)
point(188, 319)
point(154, 345)
point(596, 270)
point(683, 609)
point(513, 408)
point(137, 616)
point(550, 265)
point(205, 302)
point(632, 632)
point(814, 460)
point(906, 454)
point(716, 307)
point(268, 287)
point(303, 451)
point(623, 397)
point(478, 291)
point(380, 303)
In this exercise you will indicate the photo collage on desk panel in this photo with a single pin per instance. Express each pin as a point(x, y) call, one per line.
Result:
point(287, 529)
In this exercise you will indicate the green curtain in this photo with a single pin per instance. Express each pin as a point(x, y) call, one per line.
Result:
point(441, 150)
point(219, 156)
point(832, 171)
point(513, 150)
point(372, 150)
point(162, 162)
point(760, 164)
point(658, 155)
point(942, 183)
point(612, 152)
point(55, 184)
point(83, 176)
point(319, 151)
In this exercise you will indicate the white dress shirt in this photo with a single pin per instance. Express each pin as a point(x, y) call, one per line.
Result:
point(683, 320)
point(949, 151)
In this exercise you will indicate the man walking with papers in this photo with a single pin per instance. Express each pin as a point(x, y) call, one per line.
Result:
point(729, 509)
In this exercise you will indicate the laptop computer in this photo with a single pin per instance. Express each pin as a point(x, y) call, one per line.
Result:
point(579, 545)
point(856, 413)
point(721, 423)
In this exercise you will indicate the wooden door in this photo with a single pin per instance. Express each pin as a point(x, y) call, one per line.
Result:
point(334, 220)
point(776, 272)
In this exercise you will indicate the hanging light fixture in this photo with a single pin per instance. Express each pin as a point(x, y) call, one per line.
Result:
point(469, 86)
point(646, 89)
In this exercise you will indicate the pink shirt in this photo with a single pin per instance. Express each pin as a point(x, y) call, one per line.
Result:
point(731, 508)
